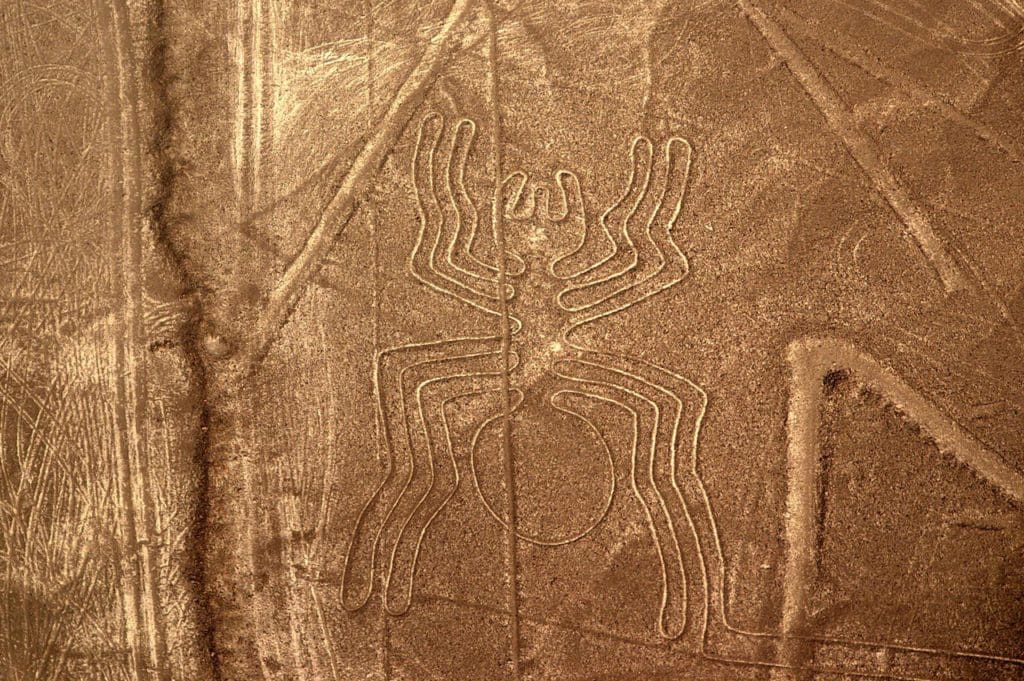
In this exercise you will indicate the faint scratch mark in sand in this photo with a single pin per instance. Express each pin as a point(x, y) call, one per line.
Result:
point(860, 146)
point(860, 57)
point(126, 169)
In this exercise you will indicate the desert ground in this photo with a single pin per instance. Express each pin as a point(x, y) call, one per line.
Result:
point(511, 340)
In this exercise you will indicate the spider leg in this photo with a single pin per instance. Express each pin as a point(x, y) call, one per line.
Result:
point(443, 220)
point(620, 221)
point(372, 527)
point(656, 262)
point(460, 212)
point(596, 244)
point(654, 419)
point(429, 387)
point(688, 403)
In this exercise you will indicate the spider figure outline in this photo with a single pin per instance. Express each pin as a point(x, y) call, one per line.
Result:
point(549, 292)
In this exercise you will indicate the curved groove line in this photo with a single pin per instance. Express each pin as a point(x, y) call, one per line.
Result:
point(533, 539)
point(647, 233)
point(412, 449)
point(634, 185)
point(431, 216)
point(385, 428)
point(655, 533)
point(454, 488)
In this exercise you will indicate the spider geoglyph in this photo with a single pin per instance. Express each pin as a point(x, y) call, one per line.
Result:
point(558, 271)
point(541, 295)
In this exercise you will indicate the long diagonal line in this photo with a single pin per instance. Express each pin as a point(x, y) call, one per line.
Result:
point(339, 210)
point(864, 151)
point(843, 47)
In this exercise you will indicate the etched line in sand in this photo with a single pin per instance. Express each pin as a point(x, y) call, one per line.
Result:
point(336, 214)
point(372, 219)
point(811, 360)
point(845, 47)
point(861, 147)
point(375, 525)
point(509, 326)
point(137, 502)
point(640, 259)
point(921, 21)
point(591, 426)
point(432, 261)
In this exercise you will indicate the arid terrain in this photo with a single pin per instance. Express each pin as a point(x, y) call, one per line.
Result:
point(511, 340)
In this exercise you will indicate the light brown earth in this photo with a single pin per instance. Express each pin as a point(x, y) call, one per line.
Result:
point(497, 339)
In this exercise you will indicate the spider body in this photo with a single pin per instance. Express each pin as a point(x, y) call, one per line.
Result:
point(551, 272)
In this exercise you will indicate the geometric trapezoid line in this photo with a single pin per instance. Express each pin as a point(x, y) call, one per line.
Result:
point(811, 360)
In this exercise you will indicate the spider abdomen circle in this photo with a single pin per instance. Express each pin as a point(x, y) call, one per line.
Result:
point(564, 471)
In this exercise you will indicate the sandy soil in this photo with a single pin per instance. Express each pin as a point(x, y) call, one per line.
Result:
point(494, 339)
